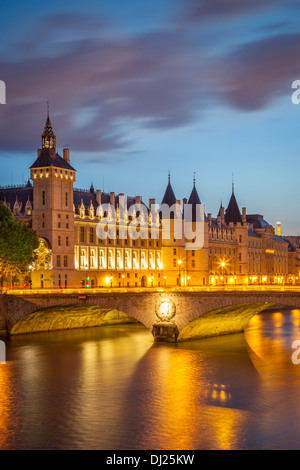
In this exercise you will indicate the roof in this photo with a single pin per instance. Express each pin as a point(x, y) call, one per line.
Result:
point(48, 128)
point(169, 197)
point(232, 213)
point(251, 233)
point(89, 196)
point(279, 239)
point(45, 160)
point(257, 221)
point(194, 200)
point(23, 194)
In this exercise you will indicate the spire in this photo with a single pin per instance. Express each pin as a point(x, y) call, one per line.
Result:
point(233, 212)
point(48, 136)
point(194, 200)
point(221, 207)
point(169, 197)
point(278, 232)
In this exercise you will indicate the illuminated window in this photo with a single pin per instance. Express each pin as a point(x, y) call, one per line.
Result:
point(82, 258)
point(92, 258)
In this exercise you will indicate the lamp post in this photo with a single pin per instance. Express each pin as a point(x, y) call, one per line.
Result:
point(179, 271)
point(123, 277)
point(30, 278)
point(87, 277)
point(223, 264)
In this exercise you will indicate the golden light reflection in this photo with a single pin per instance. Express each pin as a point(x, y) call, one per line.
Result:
point(187, 392)
point(296, 317)
point(8, 416)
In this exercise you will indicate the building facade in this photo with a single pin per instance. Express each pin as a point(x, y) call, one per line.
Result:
point(237, 248)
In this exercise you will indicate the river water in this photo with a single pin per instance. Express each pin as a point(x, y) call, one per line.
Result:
point(112, 388)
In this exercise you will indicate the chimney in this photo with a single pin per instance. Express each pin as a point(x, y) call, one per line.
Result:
point(219, 221)
point(209, 218)
point(138, 199)
point(184, 201)
point(222, 215)
point(98, 197)
point(151, 203)
point(244, 217)
point(67, 155)
point(112, 199)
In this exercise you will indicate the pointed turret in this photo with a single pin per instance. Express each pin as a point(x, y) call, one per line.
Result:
point(169, 197)
point(194, 200)
point(221, 208)
point(48, 136)
point(233, 212)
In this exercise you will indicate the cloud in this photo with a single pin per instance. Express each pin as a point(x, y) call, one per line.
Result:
point(102, 90)
point(260, 72)
point(208, 10)
point(149, 79)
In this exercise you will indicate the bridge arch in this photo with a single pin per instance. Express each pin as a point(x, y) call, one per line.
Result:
point(142, 305)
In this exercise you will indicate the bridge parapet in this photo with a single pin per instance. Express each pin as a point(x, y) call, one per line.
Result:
point(143, 305)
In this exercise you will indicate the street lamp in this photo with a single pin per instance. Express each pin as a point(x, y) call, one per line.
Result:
point(165, 278)
point(223, 264)
point(179, 272)
point(87, 276)
point(123, 277)
point(30, 279)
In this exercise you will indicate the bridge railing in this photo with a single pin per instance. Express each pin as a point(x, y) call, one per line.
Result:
point(86, 291)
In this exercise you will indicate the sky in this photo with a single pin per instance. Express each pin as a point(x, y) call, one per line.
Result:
point(138, 89)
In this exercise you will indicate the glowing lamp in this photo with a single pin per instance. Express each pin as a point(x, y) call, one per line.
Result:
point(165, 309)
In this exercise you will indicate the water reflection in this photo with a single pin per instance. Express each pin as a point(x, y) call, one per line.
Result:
point(112, 388)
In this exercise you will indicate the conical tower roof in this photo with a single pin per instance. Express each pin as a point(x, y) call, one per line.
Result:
point(194, 200)
point(232, 213)
point(169, 197)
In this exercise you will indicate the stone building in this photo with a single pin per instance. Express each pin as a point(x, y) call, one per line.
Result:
point(237, 248)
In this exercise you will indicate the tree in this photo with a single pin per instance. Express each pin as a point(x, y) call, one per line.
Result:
point(17, 244)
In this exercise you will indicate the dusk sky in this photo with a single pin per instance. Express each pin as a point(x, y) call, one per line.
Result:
point(140, 88)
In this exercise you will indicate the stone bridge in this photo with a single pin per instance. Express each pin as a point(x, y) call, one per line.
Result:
point(218, 312)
